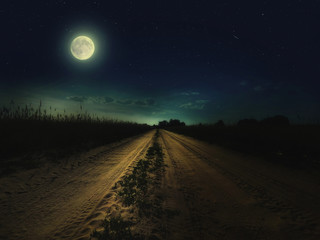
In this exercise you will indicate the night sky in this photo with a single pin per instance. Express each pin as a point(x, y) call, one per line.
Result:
point(198, 61)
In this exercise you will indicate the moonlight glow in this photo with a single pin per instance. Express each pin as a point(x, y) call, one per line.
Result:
point(82, 47)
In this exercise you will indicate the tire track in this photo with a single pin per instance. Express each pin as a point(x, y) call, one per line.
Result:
point(278, 200)
point(178, 198)
point(87, 211)
point(196, 184)
point(58, 200)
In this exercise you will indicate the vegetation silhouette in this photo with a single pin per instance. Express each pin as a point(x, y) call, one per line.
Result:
point(26, 131)
point(171, 123)
point(274, 138)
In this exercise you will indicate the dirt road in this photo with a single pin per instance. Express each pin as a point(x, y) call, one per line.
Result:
point(224, 195)
point(56, 202)
point(218, 194)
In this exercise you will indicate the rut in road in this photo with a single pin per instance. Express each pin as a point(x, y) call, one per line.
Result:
point(214, 193)
point(218, 194)
point(56, 202)
point(229, 196)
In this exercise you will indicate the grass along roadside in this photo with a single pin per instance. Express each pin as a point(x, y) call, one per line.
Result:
point(32, 135)
point(140, 197)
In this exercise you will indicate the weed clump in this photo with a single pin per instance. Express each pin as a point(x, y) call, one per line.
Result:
point(137, 190)
point(135, 186)
point(116, 228)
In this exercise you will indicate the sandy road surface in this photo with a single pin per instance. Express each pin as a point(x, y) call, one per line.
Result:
point(55, 202)
point(223, 195)
point(218, 194)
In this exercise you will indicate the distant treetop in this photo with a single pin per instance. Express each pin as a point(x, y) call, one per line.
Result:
point(171, 123)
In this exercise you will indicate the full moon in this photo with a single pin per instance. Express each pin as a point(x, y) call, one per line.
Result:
point(82, 47)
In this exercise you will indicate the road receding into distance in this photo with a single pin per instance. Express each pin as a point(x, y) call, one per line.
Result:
point(217, 193)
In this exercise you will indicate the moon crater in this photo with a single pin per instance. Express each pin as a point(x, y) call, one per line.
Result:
point(82, 47)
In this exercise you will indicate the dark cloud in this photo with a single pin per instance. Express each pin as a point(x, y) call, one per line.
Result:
point(141, 103)
point(202, 101)
point(150, 102)
point(99, 100)
point(190, 93)
point(146, 102)
point(108, 99)
point(196, 105)
point(77, 98)
point(125, 102)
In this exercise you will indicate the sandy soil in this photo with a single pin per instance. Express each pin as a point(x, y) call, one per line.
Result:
point(65, 200)
point(218, 194)
point(224, 195)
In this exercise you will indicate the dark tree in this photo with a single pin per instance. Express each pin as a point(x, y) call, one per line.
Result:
point(248, 123)
point(219, 124)
point(171, 123)
point(176, 123)
point(276, 121)
point(163, 123)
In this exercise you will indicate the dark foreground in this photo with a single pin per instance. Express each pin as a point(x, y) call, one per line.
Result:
point(200, 191)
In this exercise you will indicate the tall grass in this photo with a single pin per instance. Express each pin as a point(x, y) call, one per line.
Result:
point(27, 130)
